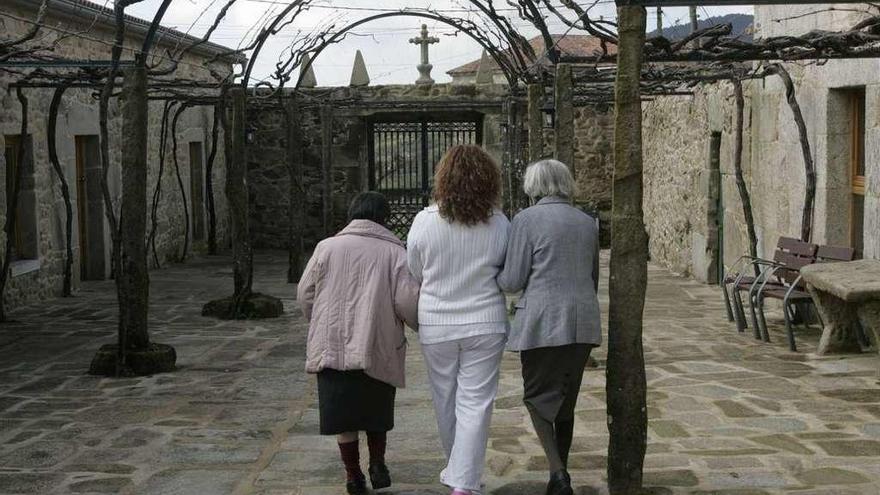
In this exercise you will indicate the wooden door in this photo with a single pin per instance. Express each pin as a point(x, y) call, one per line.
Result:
point(857, 167)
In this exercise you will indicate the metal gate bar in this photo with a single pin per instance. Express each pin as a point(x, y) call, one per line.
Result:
point(402, 160)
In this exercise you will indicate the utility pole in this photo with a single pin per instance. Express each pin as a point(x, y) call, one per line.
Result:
point(660, 20)
point(694, 23)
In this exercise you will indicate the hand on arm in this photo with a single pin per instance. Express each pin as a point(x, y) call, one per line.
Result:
point(518, 263)
point(406, 297)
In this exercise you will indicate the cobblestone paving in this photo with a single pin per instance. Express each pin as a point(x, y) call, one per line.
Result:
point(728, 414)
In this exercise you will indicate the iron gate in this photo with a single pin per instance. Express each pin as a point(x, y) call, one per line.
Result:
point(403, 156)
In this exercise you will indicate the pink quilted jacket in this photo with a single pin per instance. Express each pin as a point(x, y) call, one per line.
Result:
point(357, 293)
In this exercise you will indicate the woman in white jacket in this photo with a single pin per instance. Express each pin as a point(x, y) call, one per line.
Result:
point(456, 248)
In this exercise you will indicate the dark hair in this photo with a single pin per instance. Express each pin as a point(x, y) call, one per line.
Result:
point(467, 185)
point(369, 205)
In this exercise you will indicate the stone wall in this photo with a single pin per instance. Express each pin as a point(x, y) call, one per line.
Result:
point(681, 187)
point(594, 163)
point(677, 131)
point(40, 276)
point(351, 109)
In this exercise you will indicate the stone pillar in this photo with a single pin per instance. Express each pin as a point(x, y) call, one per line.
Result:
point(133, 213)
point(295, 192)
point(327, 168)
point(514, 165)
point(626, 384)
point(237, 195)
point(536, 122)
point(565, 116)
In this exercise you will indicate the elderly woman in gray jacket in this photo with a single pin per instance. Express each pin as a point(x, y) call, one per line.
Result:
point(553, 257)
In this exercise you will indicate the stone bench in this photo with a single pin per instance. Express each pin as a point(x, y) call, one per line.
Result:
point(847, 295)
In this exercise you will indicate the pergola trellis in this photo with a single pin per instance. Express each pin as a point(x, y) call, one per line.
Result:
point(622, 78)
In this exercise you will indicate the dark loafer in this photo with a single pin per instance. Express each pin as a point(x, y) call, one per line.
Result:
point(357, 487)
point(379, 476)
point(560, 484)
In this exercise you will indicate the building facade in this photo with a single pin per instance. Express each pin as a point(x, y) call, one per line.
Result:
point(39, 247)
point(695, 216)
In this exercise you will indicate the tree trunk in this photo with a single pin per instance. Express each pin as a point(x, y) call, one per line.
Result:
point(12, 202)
point(625, 373)
point(237, 195)
point(294, 192)
point(809, 166)
point(51, 128)
point(209, 179)
point(157, 192)
point(180, 185)
point(133, 277)
point(738, 171)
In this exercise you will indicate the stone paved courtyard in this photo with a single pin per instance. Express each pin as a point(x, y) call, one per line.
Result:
point(728, 414)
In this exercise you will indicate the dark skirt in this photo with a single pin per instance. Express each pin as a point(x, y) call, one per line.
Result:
point(353, 401)
point(552, 379)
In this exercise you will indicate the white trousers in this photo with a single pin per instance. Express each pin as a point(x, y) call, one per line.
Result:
point(464, 382)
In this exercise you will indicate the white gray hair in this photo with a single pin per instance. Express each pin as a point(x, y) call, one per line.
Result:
point(548, 178)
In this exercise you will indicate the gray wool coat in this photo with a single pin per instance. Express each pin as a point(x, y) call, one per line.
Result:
point(553, 257)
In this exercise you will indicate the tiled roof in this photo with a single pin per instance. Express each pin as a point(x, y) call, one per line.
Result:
point(104, 15)
point(571, 44)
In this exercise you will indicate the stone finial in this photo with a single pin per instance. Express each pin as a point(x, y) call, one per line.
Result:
point(485, 70)
point(308, 80)
point(359, 75)
point(425, 67)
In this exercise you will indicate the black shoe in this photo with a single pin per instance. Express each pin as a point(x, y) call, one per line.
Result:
point(560, 484)
point(357, 487)
point(379, 476)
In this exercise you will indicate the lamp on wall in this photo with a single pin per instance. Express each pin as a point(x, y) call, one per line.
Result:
point(548, 111)
point(250, 135)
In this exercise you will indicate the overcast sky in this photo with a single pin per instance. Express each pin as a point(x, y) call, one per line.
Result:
point(384, 43)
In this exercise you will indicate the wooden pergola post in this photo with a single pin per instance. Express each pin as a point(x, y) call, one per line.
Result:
point(625, 371)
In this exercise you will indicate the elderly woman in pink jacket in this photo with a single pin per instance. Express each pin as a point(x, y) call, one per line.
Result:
point(357, 293)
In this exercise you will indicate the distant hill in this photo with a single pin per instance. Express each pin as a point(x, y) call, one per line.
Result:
point(741, 23)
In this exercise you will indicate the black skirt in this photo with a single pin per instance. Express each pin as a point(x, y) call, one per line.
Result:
point(552, 379)
point(353, 401)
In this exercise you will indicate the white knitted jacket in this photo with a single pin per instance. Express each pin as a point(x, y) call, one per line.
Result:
point(457, 265)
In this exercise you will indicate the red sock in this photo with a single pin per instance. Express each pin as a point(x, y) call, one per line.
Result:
point(351, 457)
point(377, 441)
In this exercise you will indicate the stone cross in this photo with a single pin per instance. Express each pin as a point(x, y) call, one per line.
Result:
point(425, 67)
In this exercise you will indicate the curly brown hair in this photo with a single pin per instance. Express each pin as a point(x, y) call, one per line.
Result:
point(467, 185)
